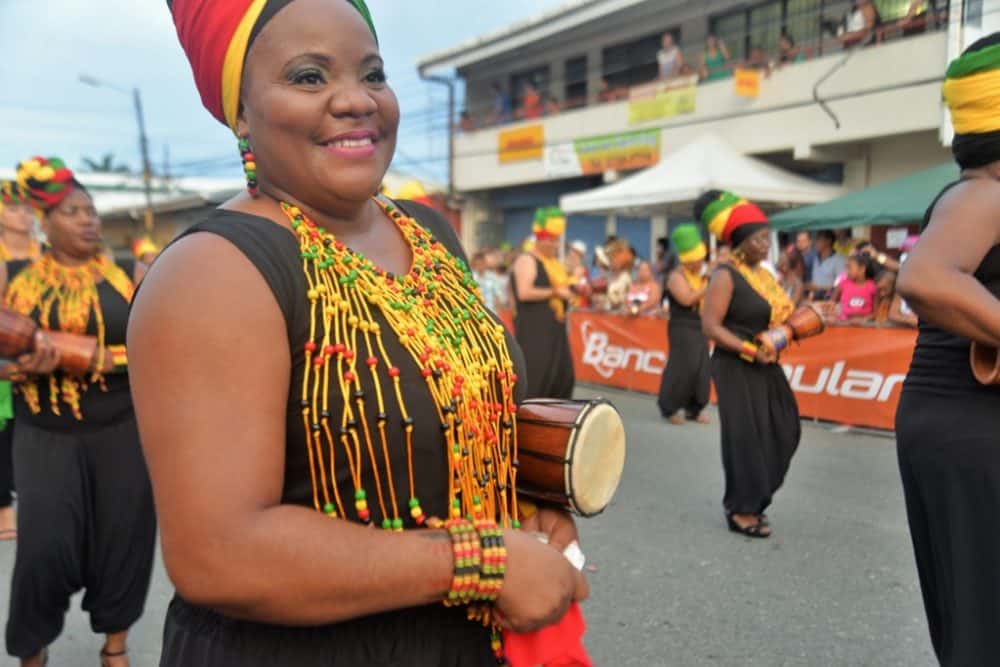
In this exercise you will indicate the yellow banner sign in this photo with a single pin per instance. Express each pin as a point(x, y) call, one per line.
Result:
point(662, 99)
point(524, 143)
point(622, 152)
point(747, 82)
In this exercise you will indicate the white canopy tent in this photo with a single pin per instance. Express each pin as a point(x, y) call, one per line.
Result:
point(704, 164)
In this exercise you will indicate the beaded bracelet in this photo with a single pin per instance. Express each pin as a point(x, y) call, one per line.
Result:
point(467, 547)
point(494, 557)
point(748, 352)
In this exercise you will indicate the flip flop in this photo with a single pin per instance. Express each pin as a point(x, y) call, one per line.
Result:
point(8, 535)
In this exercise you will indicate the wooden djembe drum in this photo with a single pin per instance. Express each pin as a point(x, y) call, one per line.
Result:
point(804, 323)
point(18, 333)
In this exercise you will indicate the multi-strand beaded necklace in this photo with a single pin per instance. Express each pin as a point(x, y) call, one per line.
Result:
point(436, 312)
point(46, 286)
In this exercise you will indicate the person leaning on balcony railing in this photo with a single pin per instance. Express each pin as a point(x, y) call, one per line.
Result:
point(715, 60)
point(860, 24)
point(670, 59)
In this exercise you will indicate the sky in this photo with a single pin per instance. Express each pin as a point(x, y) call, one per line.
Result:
point(45, 110)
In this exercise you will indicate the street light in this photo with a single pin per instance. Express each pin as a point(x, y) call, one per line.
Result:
point(147, 172)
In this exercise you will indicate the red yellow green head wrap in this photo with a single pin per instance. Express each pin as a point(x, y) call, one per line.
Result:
point(13, 193)
point(972, 92)
point(216, 36)
point(47, 180)
point(730, 218)
point(687, 243)
point(550, 223)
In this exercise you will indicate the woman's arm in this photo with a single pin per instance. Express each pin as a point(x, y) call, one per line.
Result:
point(652, 304)
point(798, 292)
point(937, 279)
point(210, 394)
point(897, 316)
point(682, 292)
point(525, 271)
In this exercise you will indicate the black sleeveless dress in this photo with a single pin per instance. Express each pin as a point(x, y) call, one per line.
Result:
point(429, 636)
point(545, 343)
point(758, 415)
point(686, 381)
point(948, 440)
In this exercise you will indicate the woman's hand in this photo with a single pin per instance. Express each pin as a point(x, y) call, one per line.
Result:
point(539, 585)
point(766, 355)
point(42, 361)
point(557, 525)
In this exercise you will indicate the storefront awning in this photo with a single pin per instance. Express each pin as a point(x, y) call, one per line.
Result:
point(706, 163)
point(897, 202)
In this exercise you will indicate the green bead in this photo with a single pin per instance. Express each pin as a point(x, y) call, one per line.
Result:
point(252, 174)
point(456, 503)
point(476, 500)
point(515, 524)
point(360, 494)
point(397, 524)
point(414, 503)
point(386, 524)
point(328, 508)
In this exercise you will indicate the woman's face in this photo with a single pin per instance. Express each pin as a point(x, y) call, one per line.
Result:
point(645, 272)
point(18, 218)
point(320, 116)
point(694, 267)
point(711, 42)
point(73, 227)
point(756, 246)
point(855, 271)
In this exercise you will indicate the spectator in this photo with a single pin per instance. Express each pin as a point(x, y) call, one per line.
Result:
point(804, 244)
point(791, 266)
point(621, 258)
point(502, 107)
point(900, 313)
point(861, 24)
point(531, 106)
point(576, 256)
point(492, 286)
point(788, 53)
point(670, 58)
point(715, 60)
point(827, 267)
point(758, 61)
point(465, 122)
point(666, 259)
point(886, 284)
point(604, 92)
point(551, 103)
point(921, 15)
point(645, 293)
point(857, 292)
point(844, 244)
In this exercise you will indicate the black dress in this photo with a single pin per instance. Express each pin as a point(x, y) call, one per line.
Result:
point(758, 415)
point(947, 430)
point(545, 343)
point(429, 636)
point(686, 381)
point(85, 507)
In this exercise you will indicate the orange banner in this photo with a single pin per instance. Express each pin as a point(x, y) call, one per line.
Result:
point(848, 375)
point(747, 82)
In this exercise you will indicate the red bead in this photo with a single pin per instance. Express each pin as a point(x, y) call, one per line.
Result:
point(339, 348)
point(394, 372)
point(310, 346)
point(427, 302)
point(338, 245)
point(426, 372)
point(456, 393)
point(364, 515)
point(318, 361)
point(328, 350)
point(372, 361)
point(513, 408)
point(424, 358)
point(349, 376)
point(513, 377)
point(473, 404)
point(411, 332)
point(420, 520)
point(249, 157)
point(348, 354)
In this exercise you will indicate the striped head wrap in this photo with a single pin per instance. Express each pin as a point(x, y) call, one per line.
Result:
point(550, 223)
point(687, 241)
point(972, 92)
point(13, 193)
point(217, 35)
point(729, 218)
point(48, 181)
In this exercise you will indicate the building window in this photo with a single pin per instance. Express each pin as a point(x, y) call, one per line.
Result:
point(762, 25)
point(633, 63)
point(539, 77)
point(576, 82)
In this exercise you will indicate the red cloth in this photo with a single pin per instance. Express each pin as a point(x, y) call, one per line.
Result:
point(559, 645)
point(742, 214)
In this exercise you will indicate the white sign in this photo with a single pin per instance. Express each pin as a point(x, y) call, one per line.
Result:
point(561, 161)
point(895, 237)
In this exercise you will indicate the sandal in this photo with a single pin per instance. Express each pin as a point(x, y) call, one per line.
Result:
point(753, 530)
point(107, 654)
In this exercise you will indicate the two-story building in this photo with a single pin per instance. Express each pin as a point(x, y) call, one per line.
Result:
point(574, 98)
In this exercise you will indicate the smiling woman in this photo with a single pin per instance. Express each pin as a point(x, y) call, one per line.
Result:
point(332, 386)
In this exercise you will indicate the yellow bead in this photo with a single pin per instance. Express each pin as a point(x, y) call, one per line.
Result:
point(376, 329)
point(353, 320)
point(416, 511)
point(456, 512)
point(361, 505)
point(404, 340)
point(312, 294)
point(344, 306)
point(330, 311)
point(251, 166)
point(321, 289)
point(365, 327)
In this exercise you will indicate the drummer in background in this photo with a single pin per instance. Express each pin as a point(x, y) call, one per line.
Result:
point(542, 294)
point(686, 382)
point(18, 245)
point(85, 507)
point(758, 414)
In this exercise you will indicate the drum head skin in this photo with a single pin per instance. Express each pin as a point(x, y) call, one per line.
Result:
point(598, 459)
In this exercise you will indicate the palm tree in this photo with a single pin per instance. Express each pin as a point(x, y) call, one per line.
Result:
point(106, 165)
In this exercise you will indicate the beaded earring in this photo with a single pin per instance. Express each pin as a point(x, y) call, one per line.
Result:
point(249, 165)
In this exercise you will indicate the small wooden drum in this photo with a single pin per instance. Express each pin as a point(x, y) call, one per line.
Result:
point(17, 336)
point(571, 453)
point(804, 323)
point(985, 362)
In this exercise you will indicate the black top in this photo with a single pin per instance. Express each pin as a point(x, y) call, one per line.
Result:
point(274, 251)
point(679, 313)
point(100, 406)
point(941, 358)
point(748, 314)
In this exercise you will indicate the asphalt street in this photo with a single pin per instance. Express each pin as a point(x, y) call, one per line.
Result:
point(835, 585)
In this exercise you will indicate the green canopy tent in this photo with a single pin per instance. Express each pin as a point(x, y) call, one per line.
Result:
point(896, 202)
